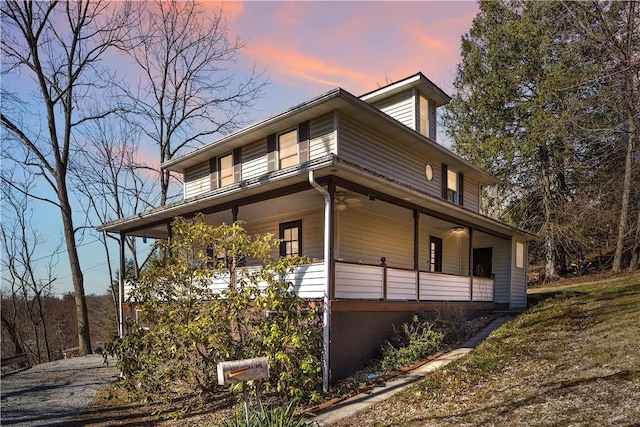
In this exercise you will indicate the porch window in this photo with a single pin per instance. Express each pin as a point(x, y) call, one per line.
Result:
point(435, 254)
point(519, 255)
point(225, 168)
point(291, 236)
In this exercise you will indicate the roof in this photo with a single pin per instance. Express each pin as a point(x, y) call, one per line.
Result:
point(418, 81)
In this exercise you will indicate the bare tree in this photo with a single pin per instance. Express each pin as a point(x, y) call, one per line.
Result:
point(58, 45)
point(614, 27)
point(187, 90)
point(29, 288)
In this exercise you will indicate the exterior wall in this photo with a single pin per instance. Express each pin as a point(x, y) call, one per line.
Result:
point(254, 157)
point(366, 237)
point(518, 297)
point(471, 195)
point(455, 249)
point(254, 160)
point(401, 107)
point(197, 180)
point(378, 154)
point(312, 234)
point(322, 140)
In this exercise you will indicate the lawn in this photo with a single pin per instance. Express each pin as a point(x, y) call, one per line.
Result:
point(573, 359)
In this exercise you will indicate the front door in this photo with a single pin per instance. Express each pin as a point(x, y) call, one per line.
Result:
point(482, 262)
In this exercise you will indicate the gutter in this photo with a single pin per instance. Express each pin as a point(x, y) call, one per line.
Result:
point(327, 280)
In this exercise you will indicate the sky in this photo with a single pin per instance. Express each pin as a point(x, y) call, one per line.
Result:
point(306, 49)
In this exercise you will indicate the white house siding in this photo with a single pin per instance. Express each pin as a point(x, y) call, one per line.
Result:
point(358, 281)
point(254, 160)
point(401, 107)
point(455, 249)
point(471, 194)
point(401, 284)
point(322, 140)
point(366, 237)
point(444, 287)
point(378, 154)
point(518, 297)
point(312, 234)
point(197, 180)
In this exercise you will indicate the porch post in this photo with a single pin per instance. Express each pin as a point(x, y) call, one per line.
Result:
point(416, 250)
point(471, 262)
point(121, 287)
point(234, 214)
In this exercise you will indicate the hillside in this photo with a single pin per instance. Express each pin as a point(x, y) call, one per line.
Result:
point(573, 359)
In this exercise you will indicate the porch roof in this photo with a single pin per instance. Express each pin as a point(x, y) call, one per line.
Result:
point(153, 223)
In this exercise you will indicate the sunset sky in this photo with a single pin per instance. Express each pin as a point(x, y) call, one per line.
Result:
point(308, 48)
point(305, 50)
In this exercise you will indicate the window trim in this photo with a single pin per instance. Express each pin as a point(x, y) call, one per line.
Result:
point(285, 226)
point(231, 175)
point(295, 143)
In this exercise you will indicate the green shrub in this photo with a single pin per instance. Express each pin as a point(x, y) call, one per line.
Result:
point(410, 343)
point(422, 337)
point(192, 327)
point(276, 416)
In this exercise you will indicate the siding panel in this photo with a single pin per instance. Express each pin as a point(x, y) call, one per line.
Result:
point(322, 140)
point(401, 284)
point(254, 160)
point(443, 287)
point(197, 180)
point(367, 237)
point(401, 107)
point(399, 163)
point(358, 281)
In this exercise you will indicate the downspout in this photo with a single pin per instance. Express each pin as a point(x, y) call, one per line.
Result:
point(121, 287)
point(327, 279)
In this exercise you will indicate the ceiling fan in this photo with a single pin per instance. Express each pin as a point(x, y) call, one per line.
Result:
point(342, 201)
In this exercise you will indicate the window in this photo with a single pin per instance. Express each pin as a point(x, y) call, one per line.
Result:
point(225, 170)
point(519, 255)
point(291, 236)
point(452, 186)
point(435, 254)
point(288, 147)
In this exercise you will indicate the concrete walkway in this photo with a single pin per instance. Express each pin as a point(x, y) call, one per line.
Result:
point(395, 385)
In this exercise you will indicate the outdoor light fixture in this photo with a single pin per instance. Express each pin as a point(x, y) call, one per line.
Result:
point(458, 229)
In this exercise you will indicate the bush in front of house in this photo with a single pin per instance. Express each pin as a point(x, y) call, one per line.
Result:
point(422, 337)
point(192, 326)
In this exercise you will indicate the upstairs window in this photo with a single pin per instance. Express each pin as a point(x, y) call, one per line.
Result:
point(291, 238)
point(452, 185)
point(225, 168)
point(288, 148)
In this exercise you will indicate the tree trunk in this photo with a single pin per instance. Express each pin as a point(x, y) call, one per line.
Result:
point(635, 253)
point(84, 336)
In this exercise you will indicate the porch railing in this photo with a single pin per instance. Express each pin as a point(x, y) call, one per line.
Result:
point(379, 282)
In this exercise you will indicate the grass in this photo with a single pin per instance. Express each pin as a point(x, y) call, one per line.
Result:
point(573, 359)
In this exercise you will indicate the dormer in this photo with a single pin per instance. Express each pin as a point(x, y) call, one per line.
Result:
point(412, 101)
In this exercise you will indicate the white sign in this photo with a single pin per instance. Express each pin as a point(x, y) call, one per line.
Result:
point(236, 371)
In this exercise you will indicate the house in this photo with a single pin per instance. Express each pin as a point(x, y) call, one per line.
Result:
point(390, 219)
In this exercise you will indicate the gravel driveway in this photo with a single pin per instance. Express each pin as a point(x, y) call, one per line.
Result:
point(50, 393)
